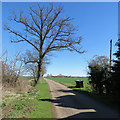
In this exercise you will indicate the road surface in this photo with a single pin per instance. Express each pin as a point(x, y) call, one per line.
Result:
point(68, 103)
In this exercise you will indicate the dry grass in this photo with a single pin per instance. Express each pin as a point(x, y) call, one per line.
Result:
point(22, 86)
point(13, 92)
point(19, 86)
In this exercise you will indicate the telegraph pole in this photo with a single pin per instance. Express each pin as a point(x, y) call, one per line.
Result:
point(110, 54)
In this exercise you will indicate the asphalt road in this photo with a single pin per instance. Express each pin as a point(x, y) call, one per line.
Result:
point(68, 103)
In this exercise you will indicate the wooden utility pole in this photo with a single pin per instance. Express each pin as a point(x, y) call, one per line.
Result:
point(110, 54)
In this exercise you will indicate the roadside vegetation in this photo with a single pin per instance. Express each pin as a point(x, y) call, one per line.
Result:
point(28, 104)
point(20, 98)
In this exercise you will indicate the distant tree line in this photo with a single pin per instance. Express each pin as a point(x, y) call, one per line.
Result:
point(60, 75)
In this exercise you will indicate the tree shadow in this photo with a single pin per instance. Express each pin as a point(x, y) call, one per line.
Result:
point(71, 87)
point(89, 108)
point(48, 100)
point(106, 99)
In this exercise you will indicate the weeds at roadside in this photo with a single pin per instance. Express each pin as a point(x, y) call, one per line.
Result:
point(18, 107)
point(28, 105)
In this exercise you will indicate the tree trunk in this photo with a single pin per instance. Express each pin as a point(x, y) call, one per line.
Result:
point(39, 74)
point(40, 78)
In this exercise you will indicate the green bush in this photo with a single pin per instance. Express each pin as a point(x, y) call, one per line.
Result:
point(116, 72)
point(3, 104)
point(99, 74)
point(18, 107)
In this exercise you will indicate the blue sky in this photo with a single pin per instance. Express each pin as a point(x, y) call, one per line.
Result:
point(97, 24)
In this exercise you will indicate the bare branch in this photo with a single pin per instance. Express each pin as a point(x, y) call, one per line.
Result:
point(35, 20)
point(31, 62)
point(22, 38)
point(48, 14)
point(24, 21)
point(49, 26)
point(32, 33)
point(17, 41)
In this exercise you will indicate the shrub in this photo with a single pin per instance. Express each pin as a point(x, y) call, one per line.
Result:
point(11, 69)
point(99, 74)
point(116, 72)
point(18, 107)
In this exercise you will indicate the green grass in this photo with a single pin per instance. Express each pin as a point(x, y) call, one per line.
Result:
point(43, 109)
point(25, 78)
point(30, 105)
point(70, 82)
point(18, 108)
point(109, 100)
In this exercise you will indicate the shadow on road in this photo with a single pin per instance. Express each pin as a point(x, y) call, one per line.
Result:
point(85, 106)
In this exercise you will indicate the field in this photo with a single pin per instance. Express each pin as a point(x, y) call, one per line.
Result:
point(32, 104)
point(25, 78)
point(109, 100)
point(70, 82)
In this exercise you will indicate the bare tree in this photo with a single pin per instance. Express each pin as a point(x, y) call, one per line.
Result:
point(32, 70)
point(30, 59)
point(46, 30)
point(11, 69)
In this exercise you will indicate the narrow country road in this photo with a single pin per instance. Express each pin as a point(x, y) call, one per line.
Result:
point(68, 103)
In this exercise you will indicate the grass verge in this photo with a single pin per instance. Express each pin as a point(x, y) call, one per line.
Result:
point(43, 109)
point(28, 105)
